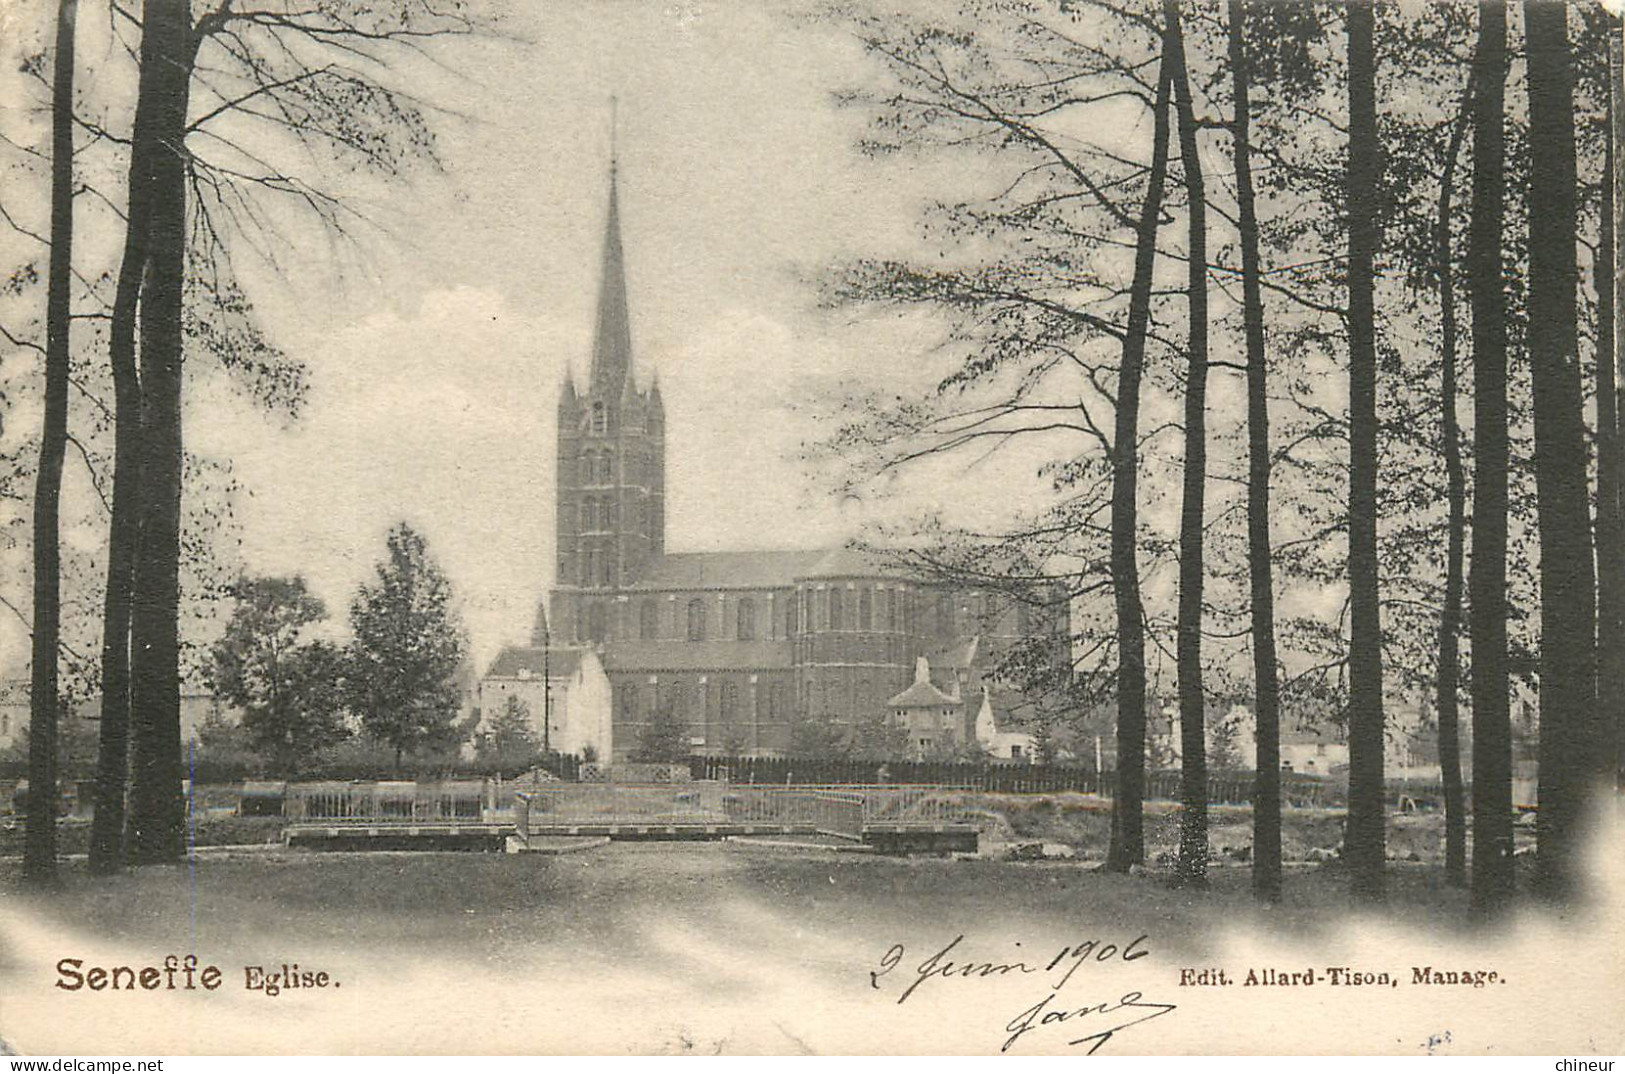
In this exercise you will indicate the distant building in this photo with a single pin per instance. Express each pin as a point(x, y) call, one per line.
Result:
point(739, 645)
point(932, 719)
point(565, 691)
point(1003, 743)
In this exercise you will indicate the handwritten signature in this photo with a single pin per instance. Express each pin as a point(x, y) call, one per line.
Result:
point(1133, 1007)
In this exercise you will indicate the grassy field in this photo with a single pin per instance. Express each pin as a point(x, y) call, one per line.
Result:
point(367, 897)
point(676, 947)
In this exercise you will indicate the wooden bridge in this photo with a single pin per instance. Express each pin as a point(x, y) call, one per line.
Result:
point(468, 815)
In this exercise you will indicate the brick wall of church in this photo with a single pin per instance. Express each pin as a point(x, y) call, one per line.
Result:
point(725, 711)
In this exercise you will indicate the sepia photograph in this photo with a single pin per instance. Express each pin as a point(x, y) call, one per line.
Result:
point(812, 527)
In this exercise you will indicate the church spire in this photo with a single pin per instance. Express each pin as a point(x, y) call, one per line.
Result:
point(612, 341)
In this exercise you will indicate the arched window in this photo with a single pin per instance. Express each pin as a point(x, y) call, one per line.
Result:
point(586, 516)
point(792, 609)
point(600, 421)
point(730, 703)
point(866, 609)
point(606, 468)
point(747, 620)
point(836, 620)
point(648, 620)
point(696, 620)
point(888, 601)
point(606, 575)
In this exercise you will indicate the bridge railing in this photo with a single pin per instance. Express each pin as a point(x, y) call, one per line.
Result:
point(385, 802)
point(841, 809)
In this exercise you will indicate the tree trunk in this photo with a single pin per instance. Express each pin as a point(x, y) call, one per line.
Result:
point(1128, 832)
point(1616, 358)
point(39, 848)
point(1364, 840)
point(1610, 507)
point(1449, 685)
point(1266, 686)
point(109, 834)
point(157, 811)
point(1193, 827)
point(1570, 743)
point(1487, 602)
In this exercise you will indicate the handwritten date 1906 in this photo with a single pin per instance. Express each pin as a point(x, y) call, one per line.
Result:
point(1065, 963)
point(1104, 1018)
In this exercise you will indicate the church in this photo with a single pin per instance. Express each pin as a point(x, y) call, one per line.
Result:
point(742, 645)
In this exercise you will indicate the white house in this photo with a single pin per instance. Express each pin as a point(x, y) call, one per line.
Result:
point(565, 690)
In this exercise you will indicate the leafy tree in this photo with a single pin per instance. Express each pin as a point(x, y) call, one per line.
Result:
point(816, 737)
point(75, 748)
point(289, 689)
point(664, 738)
point(223, 746)
point(879, 738)
point(1224, 751)
point(402, 666)
point(736, 741)
point(509, 744)
point(1046, 747)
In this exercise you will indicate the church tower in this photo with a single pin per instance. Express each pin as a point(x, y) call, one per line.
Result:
point(611, 465)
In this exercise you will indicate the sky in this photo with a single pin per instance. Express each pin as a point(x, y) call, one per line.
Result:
point(436, 345)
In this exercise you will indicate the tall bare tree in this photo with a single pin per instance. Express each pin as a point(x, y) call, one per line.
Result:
point(1610, 458)
point(1127, 846)
point(1365, 839)
point(1449, 660)
point(305, 73)
point(1261, 584)
point(39, 853)
point(1611, 685)
point(1193, 828)
point(1570, 723)
point(157, 812)
point(1492, 731)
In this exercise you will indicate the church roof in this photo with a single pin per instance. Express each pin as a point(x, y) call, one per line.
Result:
point(531, 659)
point(759, 569)
point(921, 695)
point(675, 655)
